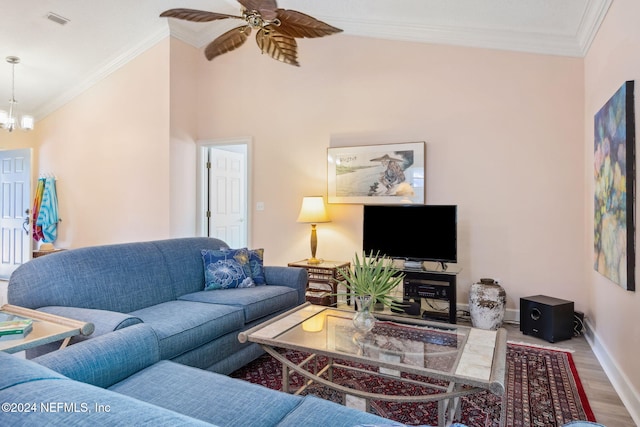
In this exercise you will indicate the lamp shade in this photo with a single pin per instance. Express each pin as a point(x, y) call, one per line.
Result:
point(313, 210)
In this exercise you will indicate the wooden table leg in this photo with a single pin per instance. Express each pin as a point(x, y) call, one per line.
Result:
point(65, 343)
point(285, 378)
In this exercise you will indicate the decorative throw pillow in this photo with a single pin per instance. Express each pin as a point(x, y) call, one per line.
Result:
point(226, 269)
point(256, 264)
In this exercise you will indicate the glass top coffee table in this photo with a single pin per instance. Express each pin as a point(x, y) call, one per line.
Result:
point(449, 360)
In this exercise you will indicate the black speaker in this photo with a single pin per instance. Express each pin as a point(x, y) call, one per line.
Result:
point(546, 317)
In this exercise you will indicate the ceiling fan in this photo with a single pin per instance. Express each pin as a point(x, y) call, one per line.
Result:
point(277, 29)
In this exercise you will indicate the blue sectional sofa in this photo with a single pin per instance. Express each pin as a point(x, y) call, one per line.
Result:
point(120, 379)
point(161, 284)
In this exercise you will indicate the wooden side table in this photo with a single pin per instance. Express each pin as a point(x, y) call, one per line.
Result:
point(37, 254)
point(325, 276)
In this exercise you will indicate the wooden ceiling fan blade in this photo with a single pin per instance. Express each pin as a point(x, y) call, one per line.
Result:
point(299, 25)
point(268, 15)
point(266, 8)
point(259, 5)
point(280, 47)
point(194, 15)
point(227, 42)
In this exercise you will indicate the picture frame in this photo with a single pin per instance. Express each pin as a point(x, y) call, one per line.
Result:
point(377, 174)
point(614, 188)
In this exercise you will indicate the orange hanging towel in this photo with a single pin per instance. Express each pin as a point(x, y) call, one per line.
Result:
point(37, 202)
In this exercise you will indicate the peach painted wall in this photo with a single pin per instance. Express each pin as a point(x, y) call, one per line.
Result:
point(109, 149)
point(613, 312)
point(16, 139)
point(182, 157)
point(504, 134)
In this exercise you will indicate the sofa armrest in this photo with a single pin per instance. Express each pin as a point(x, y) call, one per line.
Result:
point(293, 277)
point(103, 320)
point(107, 359)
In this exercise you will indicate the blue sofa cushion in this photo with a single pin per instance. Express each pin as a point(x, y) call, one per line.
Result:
point(103, 320)
point(183, 260)
point(86, 278)
point(87, 406)
point(256, 264)
point(184, 325)
point(23, 381)
point(191, 391)
point(314, 411)
point(256, 302)
point(14, 372)
point(226, 269)
point(293, 277)
point(107, 359)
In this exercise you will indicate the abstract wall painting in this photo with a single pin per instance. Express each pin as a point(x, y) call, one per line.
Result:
point(614, 190)
point(377, 174)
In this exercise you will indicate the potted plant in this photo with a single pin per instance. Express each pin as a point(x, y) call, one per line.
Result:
point(371, 280)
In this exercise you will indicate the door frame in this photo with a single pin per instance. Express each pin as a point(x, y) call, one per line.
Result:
point(202, 180)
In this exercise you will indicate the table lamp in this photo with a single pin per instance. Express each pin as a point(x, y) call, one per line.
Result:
point(313, 211)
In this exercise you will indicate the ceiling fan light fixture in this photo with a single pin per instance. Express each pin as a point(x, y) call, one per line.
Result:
point(276, 29)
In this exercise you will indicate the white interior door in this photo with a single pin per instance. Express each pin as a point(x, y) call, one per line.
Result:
point(227, 195)
point(15, 197)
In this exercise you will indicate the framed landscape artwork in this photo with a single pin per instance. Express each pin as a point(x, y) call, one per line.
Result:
point(614, 190)
point(377, 174)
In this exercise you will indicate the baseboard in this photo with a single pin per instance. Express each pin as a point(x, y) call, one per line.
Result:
point(620, 382)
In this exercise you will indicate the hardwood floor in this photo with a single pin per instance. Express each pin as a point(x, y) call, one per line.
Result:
point(605, 403)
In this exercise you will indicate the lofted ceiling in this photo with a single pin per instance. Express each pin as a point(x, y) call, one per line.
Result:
point(58, 62)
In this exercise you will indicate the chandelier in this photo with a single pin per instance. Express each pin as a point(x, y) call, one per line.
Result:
point(8, 120)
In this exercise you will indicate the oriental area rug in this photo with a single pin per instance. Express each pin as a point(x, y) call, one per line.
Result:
point(542, 389)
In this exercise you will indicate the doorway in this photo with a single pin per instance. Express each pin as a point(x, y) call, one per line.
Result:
point(15, 198)
point(223, 177)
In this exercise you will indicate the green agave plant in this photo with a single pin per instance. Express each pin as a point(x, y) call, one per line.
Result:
point(373, 275)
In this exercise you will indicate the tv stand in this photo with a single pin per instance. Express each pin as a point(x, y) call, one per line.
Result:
point(438, 285)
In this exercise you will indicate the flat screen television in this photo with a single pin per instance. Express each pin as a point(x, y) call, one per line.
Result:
point(411, 232)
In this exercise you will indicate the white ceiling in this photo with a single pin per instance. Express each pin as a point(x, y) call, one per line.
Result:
point(59, 62)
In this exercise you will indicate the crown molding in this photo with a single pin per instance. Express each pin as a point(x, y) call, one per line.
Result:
point(594, 14)
point(468, 37)
point(575, 45)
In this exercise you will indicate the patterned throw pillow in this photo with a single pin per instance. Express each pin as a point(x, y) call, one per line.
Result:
point(256, 263)
point(226, 269)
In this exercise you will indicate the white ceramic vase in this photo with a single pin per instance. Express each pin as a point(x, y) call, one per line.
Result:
point(487, 304)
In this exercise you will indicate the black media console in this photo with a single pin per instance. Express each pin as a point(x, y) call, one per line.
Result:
point(437, 285)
